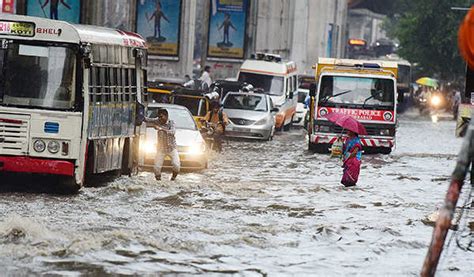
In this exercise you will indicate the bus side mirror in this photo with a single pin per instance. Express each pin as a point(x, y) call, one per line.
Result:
point(312, 90)
point(140, 115)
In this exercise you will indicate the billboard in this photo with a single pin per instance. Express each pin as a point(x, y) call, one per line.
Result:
point(158, 21)
point(227, 27)
point(66, 10)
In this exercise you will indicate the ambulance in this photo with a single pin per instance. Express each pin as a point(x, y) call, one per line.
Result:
point(365, 90)
point(277, 78)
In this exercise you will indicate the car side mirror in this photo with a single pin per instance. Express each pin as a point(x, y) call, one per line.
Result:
point(275, 110)
point(312, 90)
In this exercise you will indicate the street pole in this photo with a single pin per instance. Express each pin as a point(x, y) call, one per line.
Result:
point(205, 34)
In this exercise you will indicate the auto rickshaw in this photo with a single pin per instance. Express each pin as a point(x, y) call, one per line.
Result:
point(159, 91)
point(197, 101)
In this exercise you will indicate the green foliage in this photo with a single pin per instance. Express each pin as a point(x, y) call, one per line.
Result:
point(427, 32)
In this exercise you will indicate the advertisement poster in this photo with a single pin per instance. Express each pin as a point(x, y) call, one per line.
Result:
point(158, 21)
point(66, 10)
point(227, 26)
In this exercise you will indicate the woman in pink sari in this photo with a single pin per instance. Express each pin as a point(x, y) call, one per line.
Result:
point(351, 155)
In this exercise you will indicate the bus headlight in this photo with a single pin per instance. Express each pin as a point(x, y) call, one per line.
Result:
point(39, 145)
point(53, 147)
point(197, 149)
point(384, 132)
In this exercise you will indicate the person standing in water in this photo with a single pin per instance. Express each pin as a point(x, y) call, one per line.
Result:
point(53, 7)
point(166, 143)
point(351, 156)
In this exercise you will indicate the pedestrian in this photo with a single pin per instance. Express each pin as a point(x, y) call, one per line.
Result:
point(206, 77)
point(166, 141)
point(351, 156)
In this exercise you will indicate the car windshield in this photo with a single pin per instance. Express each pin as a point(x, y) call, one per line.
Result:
point(272, 85)
point(246, 102)
point(356, 91)
point(181, 117)
point(37, 76)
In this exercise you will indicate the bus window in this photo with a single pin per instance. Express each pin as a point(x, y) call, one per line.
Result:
point(124, 55)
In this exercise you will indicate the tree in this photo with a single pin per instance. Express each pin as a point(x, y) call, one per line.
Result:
point(427, 32)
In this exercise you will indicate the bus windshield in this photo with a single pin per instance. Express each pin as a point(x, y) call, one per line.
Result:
point(273, 85)
point(37, 76)
point(357, 91)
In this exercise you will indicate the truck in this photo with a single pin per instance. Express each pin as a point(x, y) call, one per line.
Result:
point(365, 90)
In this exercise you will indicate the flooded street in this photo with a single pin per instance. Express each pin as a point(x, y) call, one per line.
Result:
point(268, 208)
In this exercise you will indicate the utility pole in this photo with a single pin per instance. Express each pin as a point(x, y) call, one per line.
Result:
point(205, 34)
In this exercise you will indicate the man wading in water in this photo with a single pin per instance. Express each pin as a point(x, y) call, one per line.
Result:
point(166, 143)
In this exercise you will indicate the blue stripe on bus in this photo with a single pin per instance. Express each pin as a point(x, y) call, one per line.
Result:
point(51, 127)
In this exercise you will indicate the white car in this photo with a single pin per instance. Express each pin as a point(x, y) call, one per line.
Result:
point(191, 145)
point(251, 115)
point(301, 108)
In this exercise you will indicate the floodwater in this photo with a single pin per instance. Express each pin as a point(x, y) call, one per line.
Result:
point(269, 208)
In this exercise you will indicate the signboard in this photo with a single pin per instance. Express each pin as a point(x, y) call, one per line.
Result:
point(66, 10)
point(7, 6)
point(359, 114)
point(22, 29)
point(227, 27)
point(159, 22)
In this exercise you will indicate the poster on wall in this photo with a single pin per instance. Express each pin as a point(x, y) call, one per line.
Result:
point(66, 10)
point(227, 27)
point(7, 6)
point(158, 21)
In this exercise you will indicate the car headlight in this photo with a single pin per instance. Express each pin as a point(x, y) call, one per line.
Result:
point(262, 121)
point(149, 147)
point(53, 147)
point(384, 132)
point(435, 100)
point(39, 145)
point(197, 149)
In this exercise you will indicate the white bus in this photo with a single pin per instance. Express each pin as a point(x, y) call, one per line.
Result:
point(69, 96)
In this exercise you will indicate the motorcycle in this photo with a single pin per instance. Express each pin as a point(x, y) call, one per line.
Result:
point(209, 133)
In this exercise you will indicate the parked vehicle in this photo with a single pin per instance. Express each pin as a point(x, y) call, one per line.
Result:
point(191, 145)
point(304, 82)
point(251, 115)
point(365, 90)
point(276, 78)
point(71, 98)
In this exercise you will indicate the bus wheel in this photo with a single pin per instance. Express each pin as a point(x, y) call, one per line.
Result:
point(68, 185)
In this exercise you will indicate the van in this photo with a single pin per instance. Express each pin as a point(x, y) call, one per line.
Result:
point(278, 79)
